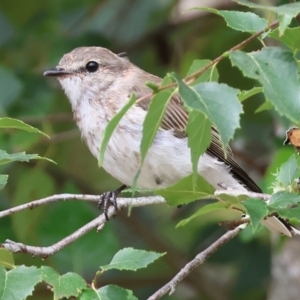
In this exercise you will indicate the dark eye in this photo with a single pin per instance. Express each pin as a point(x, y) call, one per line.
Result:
point(92, 66)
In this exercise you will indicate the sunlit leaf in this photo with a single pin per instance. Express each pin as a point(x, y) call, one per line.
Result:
point(184, 191)
point(132, 259)
point(17, 124)
point(257, 210)
point(238, 20)
point(285, 12)
point(217, 101)
point(277, 71)
point(111, 126)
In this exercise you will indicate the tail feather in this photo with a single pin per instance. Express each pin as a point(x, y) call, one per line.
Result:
point(275, 224)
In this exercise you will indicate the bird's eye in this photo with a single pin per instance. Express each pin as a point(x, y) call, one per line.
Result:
point(92, 66)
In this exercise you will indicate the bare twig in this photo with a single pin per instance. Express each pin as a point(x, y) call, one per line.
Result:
point(96, 223)
point(196, 262)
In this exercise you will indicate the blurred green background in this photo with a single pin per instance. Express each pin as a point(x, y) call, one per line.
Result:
point(159, 38)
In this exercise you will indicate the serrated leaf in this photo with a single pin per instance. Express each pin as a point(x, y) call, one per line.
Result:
point(291, 37)
point(283, 199)
point(202, 211)
point(17, 124)
point(241, 21)
point(67, 285)
point(132, 259)
point(6, 259)
point(218, 102)
point(292, 214)
point(110, 292)
point(209, 75)
point(184, 191)
point(288, 171)
point(20, 156)
point(18, 283)
point(3, 180)
point(257, 210)
point(277, 71)
point(199, 138)
point(285, 12)
point(243, 95)
point(111, 126)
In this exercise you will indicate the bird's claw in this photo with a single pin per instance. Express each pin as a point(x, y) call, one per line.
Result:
point(107, 199)
point(110, 198)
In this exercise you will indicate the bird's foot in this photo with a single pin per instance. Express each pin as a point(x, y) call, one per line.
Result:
point(110, 198)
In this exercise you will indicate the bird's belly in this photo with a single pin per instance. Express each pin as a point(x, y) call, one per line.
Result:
point(168, 160)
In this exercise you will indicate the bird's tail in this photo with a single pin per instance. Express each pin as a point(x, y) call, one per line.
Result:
point(277, 225)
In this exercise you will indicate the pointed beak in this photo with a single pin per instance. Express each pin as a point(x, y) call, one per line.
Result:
point(56, 72)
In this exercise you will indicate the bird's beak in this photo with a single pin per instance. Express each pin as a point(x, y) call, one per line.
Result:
point(56, 72)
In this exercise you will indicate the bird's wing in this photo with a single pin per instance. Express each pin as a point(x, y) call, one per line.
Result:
point(176, 118)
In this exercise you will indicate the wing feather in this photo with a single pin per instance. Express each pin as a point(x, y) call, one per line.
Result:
point(176, 118)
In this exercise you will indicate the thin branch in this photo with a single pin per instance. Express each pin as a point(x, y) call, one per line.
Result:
point(196, 262)
point(235, 193)
point(189, 79)
point(139, 201)
point(98, 222)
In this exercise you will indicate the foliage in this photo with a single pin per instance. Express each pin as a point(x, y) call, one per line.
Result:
point(263, 78)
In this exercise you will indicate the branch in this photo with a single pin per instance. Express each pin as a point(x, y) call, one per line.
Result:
point(196, 262)
point(235, 193)
point(98, 222)
point(189, 79)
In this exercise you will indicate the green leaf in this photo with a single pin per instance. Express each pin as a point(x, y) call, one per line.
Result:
point(6, 259)
point(19, 282)
point(292, 214)
point(242, 21)
point(288, 171)
point(243, 95)
point(199, 138)
point(17, 124)
point(184, 191)
point(89, 294)
point(3, 180)
point(283, 199)
point(215, 101)
point(156, 111)
point(10, 87)
point(111, 126)
point(257, 210)
point(20, 156)
point(267, 105)
point(67, 285)
point(153, 86)
point(202, 211)
point(209, 75)
point(285, 12)
point(291, 37)
point(110, 292)
point(277, 71)
point(132, 259)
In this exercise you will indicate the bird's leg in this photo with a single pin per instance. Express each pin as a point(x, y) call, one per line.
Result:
point(110, 198)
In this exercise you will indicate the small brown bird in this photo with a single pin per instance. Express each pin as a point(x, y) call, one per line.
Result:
point(98, 84)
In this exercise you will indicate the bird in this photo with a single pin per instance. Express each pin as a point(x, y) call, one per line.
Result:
point(98, 83)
